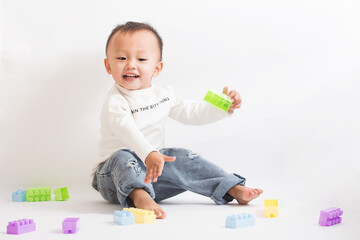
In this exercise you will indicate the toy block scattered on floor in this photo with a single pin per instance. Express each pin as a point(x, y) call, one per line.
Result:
point(19, 196)
point(38, 194)
point(124, 217)
point(141, 215)
point(70, 225)
point(21, 226)
point(271, 208)
point(219, 100)
point(330, 216)
point(240, 221)
point(61, 194)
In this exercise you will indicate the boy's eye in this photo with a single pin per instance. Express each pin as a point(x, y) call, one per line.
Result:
point(121, 58)
point(142, 59)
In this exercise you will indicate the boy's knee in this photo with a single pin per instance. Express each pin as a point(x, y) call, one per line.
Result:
point(183, 153)
point(123, 160)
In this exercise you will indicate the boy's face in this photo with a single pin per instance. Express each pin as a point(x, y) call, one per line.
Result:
point(133, 59)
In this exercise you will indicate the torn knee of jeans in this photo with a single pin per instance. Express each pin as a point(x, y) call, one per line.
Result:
point(192, 155)
point(133, 164)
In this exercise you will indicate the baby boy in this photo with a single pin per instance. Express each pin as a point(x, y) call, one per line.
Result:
point(137, 169)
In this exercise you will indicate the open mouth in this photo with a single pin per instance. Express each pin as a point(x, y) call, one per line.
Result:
point(130, 76)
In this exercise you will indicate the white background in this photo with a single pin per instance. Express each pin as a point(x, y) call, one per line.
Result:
point(295, 63)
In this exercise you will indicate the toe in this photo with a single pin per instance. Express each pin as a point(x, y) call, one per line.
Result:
point(163, 215)
point(160, 214)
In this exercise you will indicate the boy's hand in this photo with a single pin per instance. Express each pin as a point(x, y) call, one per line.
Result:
point(235, 97)
point(155, 163)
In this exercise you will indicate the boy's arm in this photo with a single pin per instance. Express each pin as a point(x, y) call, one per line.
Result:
point(199, 113)
point(116, 116)
point(122, 124)
point(126, 130)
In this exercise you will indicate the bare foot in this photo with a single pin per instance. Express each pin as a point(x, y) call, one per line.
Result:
point(143, 200)
point(244, 194)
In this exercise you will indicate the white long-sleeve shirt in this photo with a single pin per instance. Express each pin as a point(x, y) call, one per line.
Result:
point(134, 119)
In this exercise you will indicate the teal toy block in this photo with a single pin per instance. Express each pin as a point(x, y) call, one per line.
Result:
point(219, 100)
point(61, 194)
point(38, 194)
point(19, 196)
point(240, 221)
point(124, 217)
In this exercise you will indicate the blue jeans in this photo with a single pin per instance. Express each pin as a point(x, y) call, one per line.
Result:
point(120, 174)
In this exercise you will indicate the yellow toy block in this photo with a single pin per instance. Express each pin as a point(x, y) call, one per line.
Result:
point(271, 208)
point(141, 215)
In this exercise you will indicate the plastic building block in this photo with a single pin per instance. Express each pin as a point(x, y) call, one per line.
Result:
point(124, 217)
point(240, 221)
point(70, 225)
point(61, 194)
point(38, 194)
point(141, 215)
point(19, 196)
point(271, 208)
point(21, 226)
point(330, 216)
point(219, 100)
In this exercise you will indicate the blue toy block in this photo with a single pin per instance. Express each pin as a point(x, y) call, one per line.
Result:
point(19, 196)
point(240, 221)
point(124, 217)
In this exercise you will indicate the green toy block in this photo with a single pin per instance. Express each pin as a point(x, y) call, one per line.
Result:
point(38, 194)
point(61, 194)
point(219, 100)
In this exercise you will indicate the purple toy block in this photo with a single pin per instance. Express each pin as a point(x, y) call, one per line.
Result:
point(70, 225)
point(330, 216)
point(21, 226)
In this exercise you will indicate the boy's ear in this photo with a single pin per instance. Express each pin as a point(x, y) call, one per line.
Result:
point(107, 65)
point(158, 69)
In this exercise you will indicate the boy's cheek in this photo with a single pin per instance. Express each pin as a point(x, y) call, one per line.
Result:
point(117, 77)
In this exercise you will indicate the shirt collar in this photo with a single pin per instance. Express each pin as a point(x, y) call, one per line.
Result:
point(128, 92)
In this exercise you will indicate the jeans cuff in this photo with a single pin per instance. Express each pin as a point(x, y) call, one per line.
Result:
point(220, 195)
point(123, 194)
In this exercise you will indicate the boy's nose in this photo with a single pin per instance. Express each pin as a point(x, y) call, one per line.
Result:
point(130, 64)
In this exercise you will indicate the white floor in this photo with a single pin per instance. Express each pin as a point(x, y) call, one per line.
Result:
point(189, 217)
